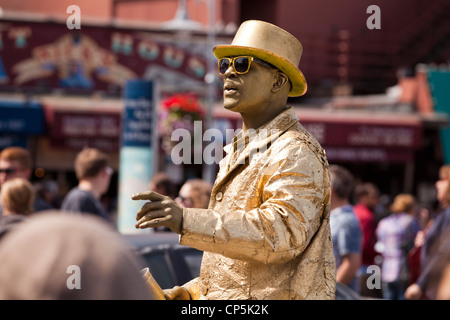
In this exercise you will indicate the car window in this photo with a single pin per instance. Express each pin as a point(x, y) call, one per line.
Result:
point(193, 260)
point(159, 269)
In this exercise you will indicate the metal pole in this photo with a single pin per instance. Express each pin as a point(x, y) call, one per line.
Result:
point(209, 171)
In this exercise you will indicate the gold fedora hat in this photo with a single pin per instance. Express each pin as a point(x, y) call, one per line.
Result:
point(272, 44)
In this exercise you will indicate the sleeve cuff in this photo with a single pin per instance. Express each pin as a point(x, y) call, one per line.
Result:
point(198, 227)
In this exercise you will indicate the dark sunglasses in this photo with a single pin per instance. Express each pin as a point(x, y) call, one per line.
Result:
point(241, 64)
point(8, 170)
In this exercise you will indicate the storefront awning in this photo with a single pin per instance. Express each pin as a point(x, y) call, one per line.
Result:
point(76, 123)
point(351, 136)
point(21, 117)
point(365, 137)
point(346, 136)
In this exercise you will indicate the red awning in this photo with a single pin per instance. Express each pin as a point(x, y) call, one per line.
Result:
point(364, 136)
point(77, 123)
point(355, 136)
point(345, 136)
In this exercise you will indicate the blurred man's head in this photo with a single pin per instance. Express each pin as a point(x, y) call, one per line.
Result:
point(342, 182)
point(92, 164)
point(15, 162)
point(367, 194)
point(46, 257)
point(195, 193)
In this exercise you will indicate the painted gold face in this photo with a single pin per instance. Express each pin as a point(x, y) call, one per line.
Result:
point(245, 93)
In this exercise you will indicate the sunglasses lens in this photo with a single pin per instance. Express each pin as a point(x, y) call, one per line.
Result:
point(7, 171)
point(224, 64)
point(241, 64)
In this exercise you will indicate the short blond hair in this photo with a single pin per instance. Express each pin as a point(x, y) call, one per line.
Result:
point(18, 196)
point(403, 203)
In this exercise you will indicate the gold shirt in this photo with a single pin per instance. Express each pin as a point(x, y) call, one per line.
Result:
point(266, 233)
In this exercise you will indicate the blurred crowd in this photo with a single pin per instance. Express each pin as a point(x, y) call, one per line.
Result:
point(396, 251)
point(44, 237)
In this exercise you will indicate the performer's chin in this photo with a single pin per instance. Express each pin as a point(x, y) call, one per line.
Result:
point(230, 104)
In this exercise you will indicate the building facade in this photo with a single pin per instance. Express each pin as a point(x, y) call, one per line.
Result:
point(61, 88)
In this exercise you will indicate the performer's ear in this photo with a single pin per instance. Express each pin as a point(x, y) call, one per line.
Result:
point(281, 81)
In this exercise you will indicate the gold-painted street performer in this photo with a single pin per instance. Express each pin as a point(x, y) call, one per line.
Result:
point(266, 233)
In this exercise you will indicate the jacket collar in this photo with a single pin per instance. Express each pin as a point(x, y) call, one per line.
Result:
point(250, 143)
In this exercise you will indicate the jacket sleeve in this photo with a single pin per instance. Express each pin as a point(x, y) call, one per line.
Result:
point(294, 187)
point(193, 288)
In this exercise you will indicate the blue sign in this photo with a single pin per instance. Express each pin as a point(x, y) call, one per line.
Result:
point(138, 114)
point(20, 117)
point(439, 84)
point(137, 152)
point(8, 140)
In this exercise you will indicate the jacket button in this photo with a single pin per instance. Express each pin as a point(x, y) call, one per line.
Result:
point(219, 196)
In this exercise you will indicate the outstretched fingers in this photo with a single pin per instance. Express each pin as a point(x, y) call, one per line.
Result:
point(148, 207)
point(148, 195)
point(152, 219)
point(158, 222)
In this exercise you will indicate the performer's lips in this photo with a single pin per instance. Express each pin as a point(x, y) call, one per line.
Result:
point(230, 88)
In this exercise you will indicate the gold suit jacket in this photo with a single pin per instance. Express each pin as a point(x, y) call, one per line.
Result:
point(266, 233)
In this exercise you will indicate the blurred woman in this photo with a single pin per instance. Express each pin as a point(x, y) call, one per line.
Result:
point(17, 198)
point(395, 235)
point(433, 240)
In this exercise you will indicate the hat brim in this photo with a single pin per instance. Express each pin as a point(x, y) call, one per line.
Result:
point(298, 81)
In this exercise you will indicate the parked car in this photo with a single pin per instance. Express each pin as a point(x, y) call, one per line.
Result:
point(172, 264)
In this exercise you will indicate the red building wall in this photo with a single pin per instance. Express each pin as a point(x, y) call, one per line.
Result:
point(338, 46)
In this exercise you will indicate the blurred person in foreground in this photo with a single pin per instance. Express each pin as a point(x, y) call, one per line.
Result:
point(94, 175)
point(15, 162)
point(395, 235)
point(266, 232)
point(433, 240)
point(54, 256)
point(345, 228)
point(194, 193)
point(367, 197)
point(439, 274)
point(17, 198)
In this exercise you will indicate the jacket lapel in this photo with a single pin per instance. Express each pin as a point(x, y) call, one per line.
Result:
point(260, 142)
